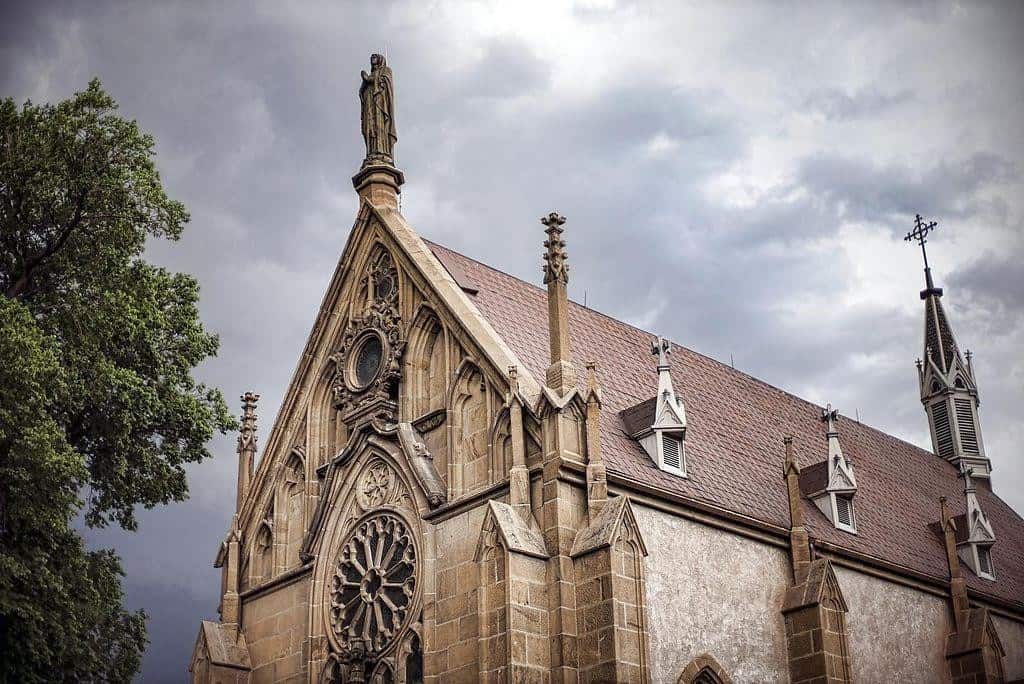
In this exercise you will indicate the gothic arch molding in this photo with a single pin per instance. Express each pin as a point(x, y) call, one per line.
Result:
point(371, 482)
point(704, 669)
point(426, 364)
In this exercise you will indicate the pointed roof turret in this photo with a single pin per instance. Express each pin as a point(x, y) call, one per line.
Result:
point(947, 385)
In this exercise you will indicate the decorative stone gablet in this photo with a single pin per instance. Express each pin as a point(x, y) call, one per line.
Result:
point(609, 576)
point(815, 616)
point(513, 603)
point(219, 655)
point(975, 653)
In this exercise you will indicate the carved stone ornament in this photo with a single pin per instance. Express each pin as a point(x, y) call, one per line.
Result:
point(374, 585)
point(368, 361)
point(376, 487)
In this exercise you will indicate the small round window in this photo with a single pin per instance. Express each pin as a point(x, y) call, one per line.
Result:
point(367, 361)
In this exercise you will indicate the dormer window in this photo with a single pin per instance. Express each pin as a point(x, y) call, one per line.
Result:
point(975, 535)
point(831, 484)
point(659, 424)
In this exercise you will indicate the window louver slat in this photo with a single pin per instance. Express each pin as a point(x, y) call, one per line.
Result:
point(965, 421)
point(670, 448)
point(943, 430)
point(844, 511)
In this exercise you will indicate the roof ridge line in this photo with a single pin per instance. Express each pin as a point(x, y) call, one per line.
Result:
point(724, 365)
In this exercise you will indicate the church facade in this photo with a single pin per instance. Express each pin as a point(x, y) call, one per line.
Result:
point(472, 478)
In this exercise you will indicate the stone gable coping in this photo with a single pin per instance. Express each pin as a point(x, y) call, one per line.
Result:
point(517, 533)
point(605, 528)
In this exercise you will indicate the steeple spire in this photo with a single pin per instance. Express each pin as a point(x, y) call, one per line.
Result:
point(561, 375)
point(947, 386)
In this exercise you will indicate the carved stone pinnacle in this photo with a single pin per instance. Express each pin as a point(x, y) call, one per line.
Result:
point(556, 266)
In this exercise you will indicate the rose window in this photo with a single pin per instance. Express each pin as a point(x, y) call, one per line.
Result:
point(374, 584)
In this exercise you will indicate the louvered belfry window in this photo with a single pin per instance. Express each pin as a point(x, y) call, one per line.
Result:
point(965, 421)
point(671, 452)
point(844, 510)
point(943, 429)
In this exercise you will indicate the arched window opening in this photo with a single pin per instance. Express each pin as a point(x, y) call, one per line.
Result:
point(704, 669)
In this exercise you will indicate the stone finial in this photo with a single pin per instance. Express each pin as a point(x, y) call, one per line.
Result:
point(246, 446)
point(561, 374)
point(830, 416)
point(661, 348)
point(556, 266)
point(592, 385)
point(247, 433)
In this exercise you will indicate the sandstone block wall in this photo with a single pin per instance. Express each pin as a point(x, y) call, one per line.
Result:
point(453, 654)
point(275, 627)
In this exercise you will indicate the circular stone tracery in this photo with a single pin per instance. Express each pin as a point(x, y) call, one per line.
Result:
point(374, 583)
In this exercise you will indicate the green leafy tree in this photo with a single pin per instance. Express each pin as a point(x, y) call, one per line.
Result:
point(99, 412)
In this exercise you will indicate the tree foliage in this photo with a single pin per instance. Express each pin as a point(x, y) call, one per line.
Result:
point(99, 412)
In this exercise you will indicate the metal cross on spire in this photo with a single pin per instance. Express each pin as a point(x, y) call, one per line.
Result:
point(920, 234)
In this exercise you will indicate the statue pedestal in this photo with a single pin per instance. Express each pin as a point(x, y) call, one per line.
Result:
point(379, 184)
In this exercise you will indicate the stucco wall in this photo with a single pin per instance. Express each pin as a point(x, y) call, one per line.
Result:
point(275, 627)
point(709, 591)
point(1011, 633)
point(895, 633)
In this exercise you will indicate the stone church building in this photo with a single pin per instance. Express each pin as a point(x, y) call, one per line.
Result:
point(472, 478)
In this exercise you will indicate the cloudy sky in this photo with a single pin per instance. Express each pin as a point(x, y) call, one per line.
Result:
point(737, 177)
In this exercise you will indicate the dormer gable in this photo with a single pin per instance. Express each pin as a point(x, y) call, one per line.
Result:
point(975, 535)
point(832, 484)
point(659, 423)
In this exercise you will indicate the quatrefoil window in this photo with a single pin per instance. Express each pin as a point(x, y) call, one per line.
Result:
point(374, 584)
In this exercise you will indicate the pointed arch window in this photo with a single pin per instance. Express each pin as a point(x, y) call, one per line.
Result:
point(704, 669)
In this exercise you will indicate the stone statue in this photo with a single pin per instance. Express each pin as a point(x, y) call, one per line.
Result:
point(377, 96)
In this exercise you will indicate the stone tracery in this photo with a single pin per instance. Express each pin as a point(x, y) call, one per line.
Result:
point(374, 584)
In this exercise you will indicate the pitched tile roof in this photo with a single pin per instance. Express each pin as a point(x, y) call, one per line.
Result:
point(735, 427)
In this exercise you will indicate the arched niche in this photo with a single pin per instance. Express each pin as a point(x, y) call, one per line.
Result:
point(292, 505)
point(471, 401)
point(330, 432)
point(261, 555)
point(501, 447)
point(426, 366)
